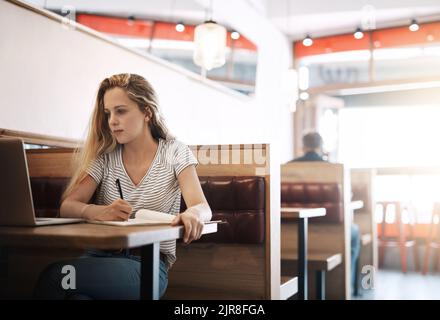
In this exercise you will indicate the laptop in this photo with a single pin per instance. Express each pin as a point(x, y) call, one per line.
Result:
point(16, 204)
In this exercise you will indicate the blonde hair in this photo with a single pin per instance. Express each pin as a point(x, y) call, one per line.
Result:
point(99, 138)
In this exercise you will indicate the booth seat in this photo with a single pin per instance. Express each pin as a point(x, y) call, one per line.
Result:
point(46, 193)
point(313, 195)
point(238, 201)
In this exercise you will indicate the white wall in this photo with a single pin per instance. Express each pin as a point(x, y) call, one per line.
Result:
point(274, 58)
point(50, 74)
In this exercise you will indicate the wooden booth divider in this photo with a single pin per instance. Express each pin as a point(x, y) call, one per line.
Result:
point(325, 236)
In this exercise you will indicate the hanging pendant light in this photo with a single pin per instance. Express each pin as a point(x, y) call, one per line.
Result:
point(209, 45)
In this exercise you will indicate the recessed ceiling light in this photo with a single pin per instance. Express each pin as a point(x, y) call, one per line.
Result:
point(358, 34)
point(307, 41)
point(235, 35)
point(180, 27)
point(414, 26)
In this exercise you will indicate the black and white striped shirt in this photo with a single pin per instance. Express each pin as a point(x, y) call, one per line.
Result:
point(158, 190)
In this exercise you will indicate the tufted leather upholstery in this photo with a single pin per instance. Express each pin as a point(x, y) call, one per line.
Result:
point(312, 195)
point(46, 193)
point(240, 201)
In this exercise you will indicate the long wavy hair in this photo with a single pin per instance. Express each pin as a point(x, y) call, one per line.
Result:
point(99, 138)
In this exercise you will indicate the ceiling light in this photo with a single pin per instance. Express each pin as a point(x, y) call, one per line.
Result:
point(307, 41)
point(235, 35)
point(414, 26)
point(180, 27)
point(210, 45)
point(130, 20)
point(358, 34)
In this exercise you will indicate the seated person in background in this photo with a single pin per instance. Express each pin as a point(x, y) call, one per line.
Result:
point(312, 147)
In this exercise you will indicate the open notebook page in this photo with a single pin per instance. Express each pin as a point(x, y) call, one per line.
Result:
point(142, 217)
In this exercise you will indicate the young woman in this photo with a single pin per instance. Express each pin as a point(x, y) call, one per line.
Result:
point(129, 141)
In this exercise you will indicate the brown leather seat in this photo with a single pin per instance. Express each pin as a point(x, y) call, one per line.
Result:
point(313, 195)
point(46, 193)
point(239, 201)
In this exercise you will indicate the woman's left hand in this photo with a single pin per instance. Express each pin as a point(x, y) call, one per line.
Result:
point(192, 223)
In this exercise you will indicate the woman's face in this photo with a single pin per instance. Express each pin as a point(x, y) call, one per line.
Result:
point(126, 121)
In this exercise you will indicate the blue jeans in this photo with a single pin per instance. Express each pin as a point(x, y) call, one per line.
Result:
point(99, 275)
point(355, 250)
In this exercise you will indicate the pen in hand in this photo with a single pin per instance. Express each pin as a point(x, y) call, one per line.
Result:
point(118, 184)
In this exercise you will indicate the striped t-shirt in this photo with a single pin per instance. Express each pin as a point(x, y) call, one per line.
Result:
point(158, 190)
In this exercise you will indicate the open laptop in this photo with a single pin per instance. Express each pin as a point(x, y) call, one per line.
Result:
point(16, 205)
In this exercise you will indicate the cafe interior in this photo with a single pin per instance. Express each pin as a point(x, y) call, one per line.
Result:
point(256, 89)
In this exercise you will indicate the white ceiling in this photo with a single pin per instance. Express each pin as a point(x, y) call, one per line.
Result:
point(294, 18)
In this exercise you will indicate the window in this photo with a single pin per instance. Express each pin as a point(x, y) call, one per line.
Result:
point(390, 136)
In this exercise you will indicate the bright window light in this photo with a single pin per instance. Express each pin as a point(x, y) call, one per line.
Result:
point(290, 84)
point(397, 53)
point(390, 136)
point(420, 191)
point(303, 78)
point(304, 96)
point(345, 56)
point(378, 54)
point(133, 42)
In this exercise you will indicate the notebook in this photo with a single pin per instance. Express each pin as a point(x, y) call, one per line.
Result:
point(144, 217)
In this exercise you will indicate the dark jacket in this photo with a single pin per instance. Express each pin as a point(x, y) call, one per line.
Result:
point(309, 156)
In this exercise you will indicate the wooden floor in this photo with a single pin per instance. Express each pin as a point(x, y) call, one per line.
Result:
point(394, 285)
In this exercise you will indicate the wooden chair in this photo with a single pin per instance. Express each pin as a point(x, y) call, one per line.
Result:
point(433, 241)
point(403, 238)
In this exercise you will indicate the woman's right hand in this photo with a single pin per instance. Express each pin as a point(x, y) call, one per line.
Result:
point(119, 210)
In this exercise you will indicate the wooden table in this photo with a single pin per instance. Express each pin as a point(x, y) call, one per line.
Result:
point(302, 214)
point(88, 236)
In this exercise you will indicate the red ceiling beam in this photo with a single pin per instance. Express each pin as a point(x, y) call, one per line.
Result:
point(125, 27)
point(345, 42)
point(395, 37)
point(143, 29)
point(383, 38)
